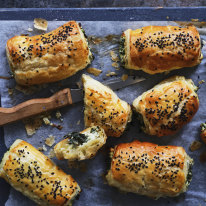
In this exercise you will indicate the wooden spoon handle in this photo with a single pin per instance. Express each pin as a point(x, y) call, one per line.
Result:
point(35, 106)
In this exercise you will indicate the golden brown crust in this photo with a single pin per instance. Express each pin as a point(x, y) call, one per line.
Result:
point(104, 108)
point(148, 169)
point(156, 49)
point(168, 106)
point(36, 176)
point(48, 57)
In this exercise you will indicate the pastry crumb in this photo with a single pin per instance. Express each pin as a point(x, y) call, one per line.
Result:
point(110, 74)
point(124, 77)
point(78, 123)
point(40, 24)
point(46, 121)
point(50, 140)
point(43, 148)
point(201, 82)
point(115, 65)
point(10, 91)
point(195, 145)
point(114, 56)
point(96, 72)
point(167, 17)
point(32, 124)
point(58, 114)
point(30, 29)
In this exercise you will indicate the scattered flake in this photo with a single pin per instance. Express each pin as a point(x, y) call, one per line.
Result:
point(40, 149)
point(51, 153)
point(95, 40)
point(58, 126)
point(44, 148)
point(124, 77)
point(78, 123)
point(194, 20)
point(114, 56)
point(204, 42)
point(32, 124)
point(117, 68)
point(50, 140)
point(167, 17)
point(30, 29)
point(195, 145)
point(94, 71)
point(201, 82)
point(115, 65)
point(110, 74)
point(10, 91)
point(40, 24)
point(46, 120)
point(58, 114)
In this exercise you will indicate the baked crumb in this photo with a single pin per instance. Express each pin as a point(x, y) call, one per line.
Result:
point(201, 82)
point(124, 77)
point(50, 140)
point(167, 17)
point(30, 29)
point(43, 148)
point(10, 91)
point(195, 145)
point(114, 56)
point(78, 123)
point(32, 124)
point(58, 114)
point(40, 24)
point(115, 65)
point(94, 71)
point(110, 74)
point(46, 121)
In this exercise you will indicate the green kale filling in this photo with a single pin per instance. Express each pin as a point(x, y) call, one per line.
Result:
point(76, 138)
point(189, 174)
point(140, 120)
point(93, 130)
point(122, 50)
point(203, 126)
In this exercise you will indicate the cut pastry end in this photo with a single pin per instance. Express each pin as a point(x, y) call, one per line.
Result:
point(81, 145)
point(104, 108)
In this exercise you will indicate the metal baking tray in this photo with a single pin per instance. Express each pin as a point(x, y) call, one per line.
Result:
point(111, 14)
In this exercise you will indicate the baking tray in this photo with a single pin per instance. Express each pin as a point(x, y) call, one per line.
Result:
point(98, 14)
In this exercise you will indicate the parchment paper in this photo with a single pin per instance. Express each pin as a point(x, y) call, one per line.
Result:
point(90, 173)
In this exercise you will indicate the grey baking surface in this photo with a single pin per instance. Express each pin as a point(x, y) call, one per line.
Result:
point(94, 189)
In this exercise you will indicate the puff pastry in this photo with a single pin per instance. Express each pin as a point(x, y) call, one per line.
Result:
point(165, 108)
point(156, 49)
point(81, 146)
point(148, 169)
point(36, 176)
point(48, 57)
point(104, 108)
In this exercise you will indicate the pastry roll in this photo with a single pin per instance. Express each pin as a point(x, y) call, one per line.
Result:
point(49, 57)
point(148, 169)
point(81, 146)
point(165, 108)
point(156, 49)
point(104, 108)
point(36, 176)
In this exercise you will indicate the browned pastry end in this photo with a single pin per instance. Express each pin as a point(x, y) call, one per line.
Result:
point(156, 49)
point(148, 169)
point(48, 57)
point(36, 176)
point(104, 108)
point(167, 107)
